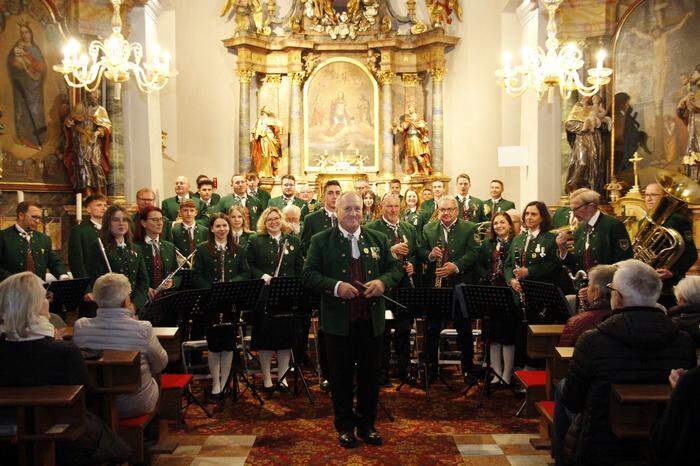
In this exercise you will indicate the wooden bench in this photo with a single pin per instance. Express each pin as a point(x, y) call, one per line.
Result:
point(546, 425)
point(169, 338)
point(541, 340)
point(44, 415)
point(557, 367)
point(635, 407)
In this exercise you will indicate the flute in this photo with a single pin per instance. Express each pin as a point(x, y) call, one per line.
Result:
point(104, 254)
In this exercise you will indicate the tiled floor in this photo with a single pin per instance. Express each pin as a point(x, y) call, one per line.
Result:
point(500, 449)
point(208, 450)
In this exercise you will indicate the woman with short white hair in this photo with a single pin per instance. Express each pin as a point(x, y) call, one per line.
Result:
point(687, 313)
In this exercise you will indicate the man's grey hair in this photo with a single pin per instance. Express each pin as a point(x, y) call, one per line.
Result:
point(587, 196)
point(292, 208)
point(599, 276)
point(637, 283)
point(448, 198)
point(343, 197)
point(392, 197)
point(688, 290)
point(111, 290)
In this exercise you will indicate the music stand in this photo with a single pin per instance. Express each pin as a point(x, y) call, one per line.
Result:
point(235, 298)
point(67, 294)
point(488, 303)
point(545, 302)
point(425, 303)
point(284, 302)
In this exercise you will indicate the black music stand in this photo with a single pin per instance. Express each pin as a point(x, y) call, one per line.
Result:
point(544, 303)
point(67, 294)
point(488, 303)
point(284, 297)
point(234, 298)
point(423, 303)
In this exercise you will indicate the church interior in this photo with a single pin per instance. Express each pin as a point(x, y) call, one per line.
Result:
point(223, 221)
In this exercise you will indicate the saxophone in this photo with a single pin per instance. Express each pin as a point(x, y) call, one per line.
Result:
point(439, 263)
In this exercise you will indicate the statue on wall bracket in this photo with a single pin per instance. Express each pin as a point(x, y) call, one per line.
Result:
point(689, 112)
point(266, 143)
point(415, 139)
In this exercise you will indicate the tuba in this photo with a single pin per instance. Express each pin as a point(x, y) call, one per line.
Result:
point(656, 245)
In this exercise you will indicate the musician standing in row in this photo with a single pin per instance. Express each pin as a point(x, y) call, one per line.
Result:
point(117, 254)
point(496, 203)
point(491, 267)
point(451, 250)
point(219, 259)
point(188, 233)
point(352, 316)
point(470, 207)
point(239, 196)
point(158, 254)
point(404, 247)
point(146, 197)
point(83, 235)
point(680, 222)
point(171, 205)
point(240, 229)
point(289, 197)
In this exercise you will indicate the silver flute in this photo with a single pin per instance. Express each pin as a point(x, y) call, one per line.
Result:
point(104, 254)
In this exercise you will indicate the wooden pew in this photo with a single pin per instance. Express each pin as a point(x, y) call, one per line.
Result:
point(541, 340)
point(44, 415)
point(557, 367)
point(169, 338)
point(635, 407)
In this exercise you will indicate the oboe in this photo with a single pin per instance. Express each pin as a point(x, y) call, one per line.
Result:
point(104, 254)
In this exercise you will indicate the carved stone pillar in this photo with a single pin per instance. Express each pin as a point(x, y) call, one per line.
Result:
point(437, 75)
point(244, 161)
point(116, 176)
point(295, 123)
point(387, 162)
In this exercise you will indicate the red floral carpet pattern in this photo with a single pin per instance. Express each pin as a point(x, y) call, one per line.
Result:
point(289, 430)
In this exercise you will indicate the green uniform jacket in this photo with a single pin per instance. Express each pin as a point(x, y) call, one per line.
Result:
point(407, 231)
point(313, 205)
point(411, 217)
point(262, 195)
point(327, 263)
point(561, 217)
point(13, 255)
point(167, 254)
point(462, 250)
point(475, 211)
point(207, 211)
point(485, 260)
point(315, 222)
point(81, 237)
point(215, 198)
point(262, 259)
point(254, 205)
point(503, 205)
point(127, 261)
point(181, 240)
point(171, 207)
point(682, 225)
point(206, 270)
point(167, 225)
point(541, 260)
point(280, 204)
point(608, 243)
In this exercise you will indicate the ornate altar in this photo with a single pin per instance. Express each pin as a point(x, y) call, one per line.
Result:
point(340, 77)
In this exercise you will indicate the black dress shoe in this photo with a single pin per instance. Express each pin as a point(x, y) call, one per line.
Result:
point(347, 439)
point(369, 435)
point(325, 385)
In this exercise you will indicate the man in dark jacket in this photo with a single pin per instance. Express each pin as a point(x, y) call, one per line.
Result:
point(636, 344)
point(687, 313)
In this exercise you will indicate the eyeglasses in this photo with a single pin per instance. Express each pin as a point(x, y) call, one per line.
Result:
point(574, 209)
point(156, 219)
point(145, 199)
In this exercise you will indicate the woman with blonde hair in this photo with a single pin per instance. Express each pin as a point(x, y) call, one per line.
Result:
point(273, 252)
point(241, 229)
point(410, 207)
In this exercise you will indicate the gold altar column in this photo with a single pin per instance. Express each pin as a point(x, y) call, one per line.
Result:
point(387, 162)
point(244, 161)
point(295, 123)
point(437, 75)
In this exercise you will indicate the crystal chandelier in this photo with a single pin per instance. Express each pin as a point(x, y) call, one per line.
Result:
point(113, 59)
point(543, 71)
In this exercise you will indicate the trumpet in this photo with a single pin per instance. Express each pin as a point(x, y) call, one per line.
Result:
point(439, 263)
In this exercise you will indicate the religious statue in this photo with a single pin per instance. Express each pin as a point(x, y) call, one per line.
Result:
point(266, 143)
point(86, 155)
point(416, 143)
point(689, 112)
point(584, 126)
point(244, 10)
point(441, 12)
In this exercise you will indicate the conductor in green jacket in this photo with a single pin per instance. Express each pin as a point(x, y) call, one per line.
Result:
point(24, 249)
point(83, 235)
point(352, 316)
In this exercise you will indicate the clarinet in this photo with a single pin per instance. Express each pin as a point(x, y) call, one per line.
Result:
point(521, 294)
point(405, 263)
point(279, 262)
point(439, 263)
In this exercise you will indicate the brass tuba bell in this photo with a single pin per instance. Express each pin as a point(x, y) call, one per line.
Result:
point(656, 245)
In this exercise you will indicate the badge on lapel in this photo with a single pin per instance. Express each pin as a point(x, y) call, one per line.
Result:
point(375, 252)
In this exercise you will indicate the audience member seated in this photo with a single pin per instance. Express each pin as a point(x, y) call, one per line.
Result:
point(596, 308)
point(31, 356)
point(636, 344)
point(674, 438)
point(687, 313)
point(116, 328)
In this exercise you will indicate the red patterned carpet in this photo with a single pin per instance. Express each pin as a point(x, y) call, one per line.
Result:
point(289, 430)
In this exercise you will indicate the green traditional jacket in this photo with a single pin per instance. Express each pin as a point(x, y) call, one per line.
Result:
point(425, 216)
point(428, 206)
point(502, 205)
point(561, 217)
point(13, 254)
point(608, 243)
point(411, 217)
point(540, 259)
point(474, 212)
point(484, 262)
point(280, 204)
point(167, 255)
point(181, 239)
point(313, 205)
point(262, 195)
point(171, 207)
point(207, 211)
point(263, 257)
point(253, 204)
point(462, 250)
point(215, 198)
point(407, 233)
point(313, 223)
point(328, 262)
point(167, 225)
point(207, 270)
point(127, 261)
point(81, 237)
